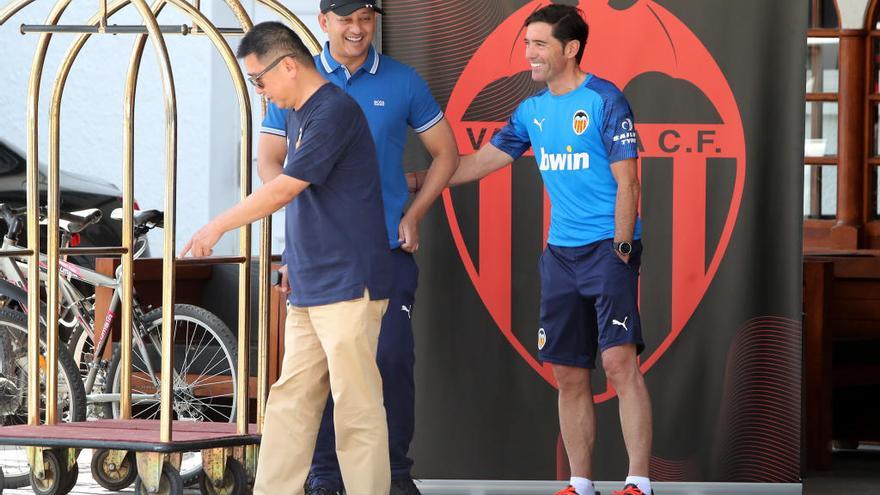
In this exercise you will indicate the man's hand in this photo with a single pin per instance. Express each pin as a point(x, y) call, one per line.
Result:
point(202, 242)
point(415, 180)
point(623, 257)
point(283, 284)
point(408, 233)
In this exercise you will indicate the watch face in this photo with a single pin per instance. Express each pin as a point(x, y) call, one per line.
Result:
point(624, 248)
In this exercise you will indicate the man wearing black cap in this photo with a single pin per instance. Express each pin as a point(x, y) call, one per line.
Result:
point(393, 98)
point(347, 7)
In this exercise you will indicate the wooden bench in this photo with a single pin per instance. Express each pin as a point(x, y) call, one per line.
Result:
point(191, 281)
point(841, 351)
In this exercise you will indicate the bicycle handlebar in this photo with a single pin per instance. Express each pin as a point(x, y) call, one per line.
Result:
point(76, 223)
point(11, 215)
point(80, 220)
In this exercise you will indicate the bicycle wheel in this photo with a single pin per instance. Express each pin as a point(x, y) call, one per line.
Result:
point(79, 342)
point(13, 391)
point(12, 297)
point(205, 354)
point(15, 298)
point(82, 348)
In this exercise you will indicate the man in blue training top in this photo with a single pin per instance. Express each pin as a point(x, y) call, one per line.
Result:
point(581, 130)
point(339, 268)
point(394, 98)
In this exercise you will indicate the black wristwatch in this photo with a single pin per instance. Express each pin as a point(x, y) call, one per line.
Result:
point(624, 248)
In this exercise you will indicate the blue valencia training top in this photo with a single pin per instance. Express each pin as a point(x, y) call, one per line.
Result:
point(576, 137)
point(393, 97)
point(335, 244)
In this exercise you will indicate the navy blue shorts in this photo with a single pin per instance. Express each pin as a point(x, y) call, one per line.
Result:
point(589, 301)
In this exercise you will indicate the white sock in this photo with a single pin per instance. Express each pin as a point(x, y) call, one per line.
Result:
point(643, 483)
point(582, 485)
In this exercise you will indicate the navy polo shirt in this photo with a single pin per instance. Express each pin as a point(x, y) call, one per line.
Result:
point(335, 244)
point(393, 97)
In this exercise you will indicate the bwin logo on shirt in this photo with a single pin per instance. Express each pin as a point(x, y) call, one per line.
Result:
point(564, 161)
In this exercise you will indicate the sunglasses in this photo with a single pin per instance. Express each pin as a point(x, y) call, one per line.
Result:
point(255, 79)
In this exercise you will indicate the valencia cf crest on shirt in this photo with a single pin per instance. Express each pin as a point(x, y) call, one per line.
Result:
point(580, 122)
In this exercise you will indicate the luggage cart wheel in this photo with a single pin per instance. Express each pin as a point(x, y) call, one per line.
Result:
point(70, 479)
point(55, 479)
point(170, 483)
point(234, 482)
point(114, 470)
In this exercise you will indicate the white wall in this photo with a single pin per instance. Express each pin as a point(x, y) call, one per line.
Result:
point(852, 13)
point(91, 116)
point(307, 11)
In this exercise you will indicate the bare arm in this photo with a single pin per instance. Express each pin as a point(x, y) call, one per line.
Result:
point(470, 168)
point(480, 164)
point(262, 202)
point(627, 207)
point(271, 152)
point(440, 143)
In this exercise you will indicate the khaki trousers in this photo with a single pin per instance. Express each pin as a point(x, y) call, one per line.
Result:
point(329, 348)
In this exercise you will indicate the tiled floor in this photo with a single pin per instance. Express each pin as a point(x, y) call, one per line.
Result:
point(854, 473)
point(85, 485)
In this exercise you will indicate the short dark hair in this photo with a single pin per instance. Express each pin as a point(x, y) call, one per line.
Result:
point(568, 24)
point(273, 39)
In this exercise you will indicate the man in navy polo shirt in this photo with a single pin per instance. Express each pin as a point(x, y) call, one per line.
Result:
point(394, 98)
point(339, 267)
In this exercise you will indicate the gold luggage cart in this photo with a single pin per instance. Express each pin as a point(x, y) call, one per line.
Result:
point(229, 451)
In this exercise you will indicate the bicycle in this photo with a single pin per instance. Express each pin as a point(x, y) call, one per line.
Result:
point(206, 349)
point(13, 390)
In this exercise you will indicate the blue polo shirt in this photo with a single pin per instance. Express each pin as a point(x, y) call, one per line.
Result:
point(393, 97)
point(335, 244)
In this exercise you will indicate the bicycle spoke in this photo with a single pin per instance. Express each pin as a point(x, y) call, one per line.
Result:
point(144, 410)
point(210, 399)
point(206, 364)
point(204, 374)
point(183, 363)
point(201, 347)
point(188, 343)
point(195, 385)
point(208, 406)
point(205, 398)
point(149, 412)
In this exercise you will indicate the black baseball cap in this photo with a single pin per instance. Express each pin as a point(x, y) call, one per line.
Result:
point(346, 7)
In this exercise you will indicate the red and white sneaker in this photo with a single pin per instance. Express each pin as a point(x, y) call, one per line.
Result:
point(629, 489)
point(569, 490)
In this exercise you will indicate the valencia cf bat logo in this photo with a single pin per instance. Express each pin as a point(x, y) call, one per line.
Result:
point(580, 122)
point(641, 41)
